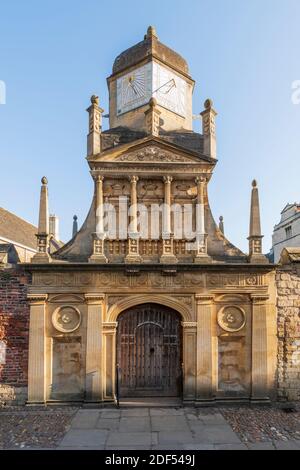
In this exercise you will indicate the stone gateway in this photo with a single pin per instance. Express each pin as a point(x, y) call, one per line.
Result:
point(149, 297)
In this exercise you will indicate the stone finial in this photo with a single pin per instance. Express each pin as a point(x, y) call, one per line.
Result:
point(221, 224)
point(209, 129)
point(151, 33)
point(95, 100)
point(152, 117)
point(75, 225)
point(95, 126)
point(255, 236)
point(42, 255)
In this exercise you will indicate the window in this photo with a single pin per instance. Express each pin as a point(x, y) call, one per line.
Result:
point(288, 231)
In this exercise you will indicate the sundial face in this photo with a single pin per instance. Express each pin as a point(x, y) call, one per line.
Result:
point(135, 88)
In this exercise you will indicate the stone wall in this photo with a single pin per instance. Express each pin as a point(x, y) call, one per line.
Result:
point(14, 334)
point(288, 320)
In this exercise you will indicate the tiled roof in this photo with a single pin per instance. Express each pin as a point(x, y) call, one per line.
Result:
point(16, 229)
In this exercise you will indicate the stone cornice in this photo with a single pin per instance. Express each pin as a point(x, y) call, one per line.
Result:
point(37, 299)
point(94, 299)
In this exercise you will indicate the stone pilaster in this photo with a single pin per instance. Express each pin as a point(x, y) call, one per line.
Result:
point(98, 255)
point(201, 255)
point(94, 356)
point(168, 256)
point(133, 255)
point(95, 124)
point(37, 349)
point(109, 364)
point(209, 129)
point(152, 118)
point(189, 365)
point(259, 348)
point(205, 351)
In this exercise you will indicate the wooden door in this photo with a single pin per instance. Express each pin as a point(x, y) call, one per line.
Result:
point(149, 351)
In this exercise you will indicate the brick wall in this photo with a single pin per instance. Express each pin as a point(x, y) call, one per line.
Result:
point(14, 334)
point(288, 320)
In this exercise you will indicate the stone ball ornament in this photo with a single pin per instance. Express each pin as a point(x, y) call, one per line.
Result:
point(66, 319)
point(231, 319)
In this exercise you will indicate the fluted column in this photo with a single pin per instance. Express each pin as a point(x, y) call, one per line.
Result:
point(37, 349)
point(133, 255)
point(98, 255)
point(205, 351)
point(201, 255)
point(189, 366)
point(167, 235)
point(94, 356)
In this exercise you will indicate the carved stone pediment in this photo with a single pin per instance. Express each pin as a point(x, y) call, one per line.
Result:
point(152, 152)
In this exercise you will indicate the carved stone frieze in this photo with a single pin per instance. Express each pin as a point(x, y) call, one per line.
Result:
point(153, 154)
point(146, 279)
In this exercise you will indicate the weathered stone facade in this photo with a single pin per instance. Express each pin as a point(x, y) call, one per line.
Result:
point(288, 321)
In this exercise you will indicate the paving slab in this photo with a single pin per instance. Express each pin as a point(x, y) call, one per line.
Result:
point(134, 424)
point(109, 424)
point(88, 438)
point(118, 439)
point(166, 411)
point(230, 447)
point(169, 423)
point(214, 418)
point(110, 414)
point(198, 447)
point(260, 446)
point(212, 434)
point(138, 412)
point(292, 444)
point(175, 437)
point(85, 419)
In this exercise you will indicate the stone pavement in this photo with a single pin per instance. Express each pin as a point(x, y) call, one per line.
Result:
point(157, 429)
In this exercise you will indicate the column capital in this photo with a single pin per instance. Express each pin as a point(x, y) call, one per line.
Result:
point(167, 179)
point(259, 299)
point(99, 178)
point(109, 327)
point(189, 324)
point(200, 179)
point(94, 299)
point(133, 179)
point(204, 299)
point(37, 299)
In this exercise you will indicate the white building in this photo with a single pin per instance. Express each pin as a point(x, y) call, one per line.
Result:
point(287, 232)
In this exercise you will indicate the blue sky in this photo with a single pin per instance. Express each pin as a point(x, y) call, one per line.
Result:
point(243, 54)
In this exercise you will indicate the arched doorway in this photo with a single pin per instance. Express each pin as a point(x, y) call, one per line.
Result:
point(149, 351)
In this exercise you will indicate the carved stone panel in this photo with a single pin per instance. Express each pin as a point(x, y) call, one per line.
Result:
point(231, 318)
point(66, 319)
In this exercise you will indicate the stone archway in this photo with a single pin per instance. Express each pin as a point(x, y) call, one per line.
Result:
point(149, 351)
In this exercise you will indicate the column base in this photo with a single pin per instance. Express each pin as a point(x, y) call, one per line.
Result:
point(133, 259)
point(202, 259)
point(168, 259)
point(258, 259)
point(41, 258)
point(101, 259)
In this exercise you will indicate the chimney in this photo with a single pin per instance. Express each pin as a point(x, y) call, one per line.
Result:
point(54, 226)
point(75, 226)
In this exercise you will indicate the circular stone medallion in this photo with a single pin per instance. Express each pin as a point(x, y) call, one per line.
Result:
point(231, 318)
point(66, 319)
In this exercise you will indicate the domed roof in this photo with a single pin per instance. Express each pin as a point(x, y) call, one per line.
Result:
point(150, 47)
